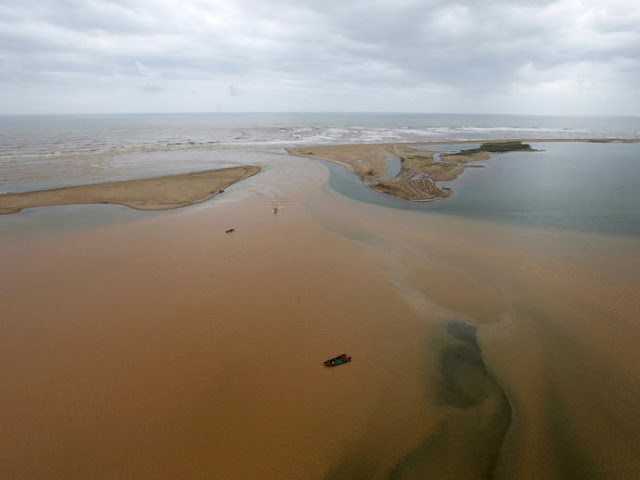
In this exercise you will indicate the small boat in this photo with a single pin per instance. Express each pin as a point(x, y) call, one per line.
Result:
point(339, 360)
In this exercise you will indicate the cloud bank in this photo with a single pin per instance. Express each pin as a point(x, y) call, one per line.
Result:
point(548, 57)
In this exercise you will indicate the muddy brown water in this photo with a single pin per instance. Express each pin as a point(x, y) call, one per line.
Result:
point(166, 348)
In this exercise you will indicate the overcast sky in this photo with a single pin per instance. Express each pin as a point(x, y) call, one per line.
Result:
point(535, 57)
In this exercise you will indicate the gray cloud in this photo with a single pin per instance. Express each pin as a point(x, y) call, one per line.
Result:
point(284, 54)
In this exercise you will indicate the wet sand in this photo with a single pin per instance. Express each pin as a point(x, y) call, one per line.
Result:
point(166, 348)
point(157, 193)
point(369, 162)
point(420, 168)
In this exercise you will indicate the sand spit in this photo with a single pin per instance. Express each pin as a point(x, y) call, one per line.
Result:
point(420, 169)
point(159, 193)
point(369, 162)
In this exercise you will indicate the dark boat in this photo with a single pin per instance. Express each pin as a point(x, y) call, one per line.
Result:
point(339, 360)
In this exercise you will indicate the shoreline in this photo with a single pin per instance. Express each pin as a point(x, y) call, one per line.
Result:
point(154, 193)
point(419, 169)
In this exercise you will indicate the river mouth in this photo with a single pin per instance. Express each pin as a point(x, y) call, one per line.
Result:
point(168, 348)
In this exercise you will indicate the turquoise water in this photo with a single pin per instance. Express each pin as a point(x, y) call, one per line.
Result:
point(592, 187)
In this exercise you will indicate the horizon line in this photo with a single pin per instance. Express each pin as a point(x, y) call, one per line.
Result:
point(319, 112)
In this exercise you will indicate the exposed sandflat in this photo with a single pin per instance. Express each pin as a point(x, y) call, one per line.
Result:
point(419, 169)
point(158, 193)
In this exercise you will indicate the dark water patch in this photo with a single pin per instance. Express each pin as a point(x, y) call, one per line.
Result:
point(474, 437)
point(462, 370)
point(467, 443)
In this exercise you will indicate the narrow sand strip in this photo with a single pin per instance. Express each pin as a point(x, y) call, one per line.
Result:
point(420, 169)
point(159, 193)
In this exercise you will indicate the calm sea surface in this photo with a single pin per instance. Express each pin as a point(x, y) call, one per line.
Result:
point(585, 186)
point(591, 187)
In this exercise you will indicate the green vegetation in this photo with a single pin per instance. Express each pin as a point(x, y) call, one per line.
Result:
point(416, 157)
point(497, 147)
point(441, 166)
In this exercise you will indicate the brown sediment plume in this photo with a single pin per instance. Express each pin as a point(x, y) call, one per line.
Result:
point(167, 349)
point(473, 417)
point(479, 419)
point(554, 316)
point(158, 193)
point(164, 348)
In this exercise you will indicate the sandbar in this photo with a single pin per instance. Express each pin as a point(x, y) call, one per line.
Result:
point(157, 193)
point(420, 169)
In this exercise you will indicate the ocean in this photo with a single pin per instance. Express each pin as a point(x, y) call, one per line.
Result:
point(587, 186)
point(30, 136)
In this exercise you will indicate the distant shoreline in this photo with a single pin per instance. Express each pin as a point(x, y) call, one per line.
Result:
point(156, 193)
point(416, 180)
point(419, 168)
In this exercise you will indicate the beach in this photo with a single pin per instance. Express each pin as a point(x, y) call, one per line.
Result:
point(155, 193)
point(420, 168)
point(166, 347)
point(369, 163)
